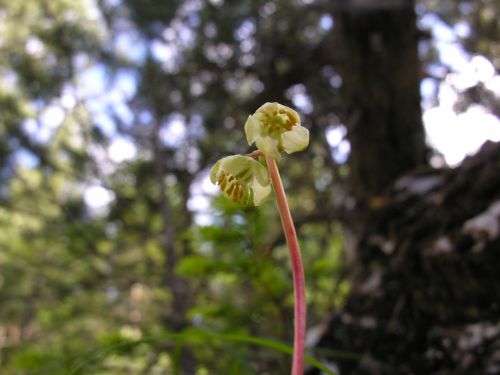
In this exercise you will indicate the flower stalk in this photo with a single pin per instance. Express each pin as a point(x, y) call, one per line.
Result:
point(297, 269)
point(274, 129)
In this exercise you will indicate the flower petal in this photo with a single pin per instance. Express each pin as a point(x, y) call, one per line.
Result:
point(269, 147)
point(296, 139)
point(292, 114)
point(252, 129)
point(268, 107)
point(260, 192)
point(215, 172)
point(261, 173)
point(233, 165)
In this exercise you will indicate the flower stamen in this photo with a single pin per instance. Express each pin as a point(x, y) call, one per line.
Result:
point(236, 187)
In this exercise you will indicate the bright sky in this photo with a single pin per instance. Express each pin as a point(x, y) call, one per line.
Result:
point(457, 135)
point(453, 135)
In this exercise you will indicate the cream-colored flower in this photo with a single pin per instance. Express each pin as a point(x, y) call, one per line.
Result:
point(275, 128)
point(242, 179)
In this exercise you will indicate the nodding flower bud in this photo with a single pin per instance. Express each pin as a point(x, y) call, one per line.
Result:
point(242, 179)
point(275, 128)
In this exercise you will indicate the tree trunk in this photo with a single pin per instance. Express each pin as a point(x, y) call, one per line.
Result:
point(428, 301)
point(176, 318)
point(380, 69)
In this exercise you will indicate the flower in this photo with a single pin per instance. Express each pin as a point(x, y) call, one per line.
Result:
point(242, 179)
point(275, 128)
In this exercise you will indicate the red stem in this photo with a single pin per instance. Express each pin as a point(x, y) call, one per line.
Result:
point(297, 270)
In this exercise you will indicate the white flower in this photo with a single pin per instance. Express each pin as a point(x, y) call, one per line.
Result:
point(275, 128)
point(242, 179)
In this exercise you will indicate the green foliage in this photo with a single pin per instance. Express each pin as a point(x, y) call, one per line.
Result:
point(120, 346)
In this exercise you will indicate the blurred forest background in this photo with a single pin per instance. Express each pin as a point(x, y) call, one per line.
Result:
point(117, 255)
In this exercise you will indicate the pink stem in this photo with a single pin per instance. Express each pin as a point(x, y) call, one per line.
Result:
point(297, 270)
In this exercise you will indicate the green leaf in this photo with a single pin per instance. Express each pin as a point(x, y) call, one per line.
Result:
point(193, 336)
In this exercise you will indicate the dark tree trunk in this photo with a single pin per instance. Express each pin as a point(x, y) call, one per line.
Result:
point(380, 69)
point(429, 299)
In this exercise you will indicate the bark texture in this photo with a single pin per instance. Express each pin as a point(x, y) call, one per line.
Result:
point(429, 299)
